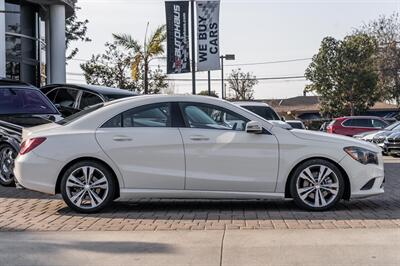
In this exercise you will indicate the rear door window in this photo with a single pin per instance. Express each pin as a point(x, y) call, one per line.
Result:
point(378, 123)
point(66, 98)
point(89, 99)
point(362, 123)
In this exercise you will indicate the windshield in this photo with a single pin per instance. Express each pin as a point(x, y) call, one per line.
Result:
point(24, 101)
point(394, 126)
point(80, 114)
point(264, 111)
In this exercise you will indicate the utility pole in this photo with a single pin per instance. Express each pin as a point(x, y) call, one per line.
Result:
point(192, 2)
point(209, 83)
point(227, 57)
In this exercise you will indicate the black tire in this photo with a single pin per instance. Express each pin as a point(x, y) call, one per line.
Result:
point(295, 178)
point(110, 183)
point(7, 178)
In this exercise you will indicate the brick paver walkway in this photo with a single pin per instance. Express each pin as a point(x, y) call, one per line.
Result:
point(26, 210)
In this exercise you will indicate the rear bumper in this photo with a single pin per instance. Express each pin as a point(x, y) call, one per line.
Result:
point(29, 172)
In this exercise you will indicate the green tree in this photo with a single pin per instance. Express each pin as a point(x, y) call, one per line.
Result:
point(205, 93)
point(343, 73)
point(75, 30)
point(386, 30)
point(242, 84)
point(112, 68)
point(143, 54)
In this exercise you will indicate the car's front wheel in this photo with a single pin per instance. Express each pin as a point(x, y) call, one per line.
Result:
point(7, 158)
point(88, 187)
point(317, 185)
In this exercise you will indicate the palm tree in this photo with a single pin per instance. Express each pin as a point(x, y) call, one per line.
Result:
point(143, 54)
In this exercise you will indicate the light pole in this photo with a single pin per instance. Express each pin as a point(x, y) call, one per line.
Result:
point(227, 57)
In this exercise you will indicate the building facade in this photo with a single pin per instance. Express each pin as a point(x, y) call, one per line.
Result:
point(32, 40)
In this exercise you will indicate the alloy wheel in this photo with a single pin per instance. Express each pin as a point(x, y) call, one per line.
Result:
point(87, 187)
point(317, 186)
point(7, 157)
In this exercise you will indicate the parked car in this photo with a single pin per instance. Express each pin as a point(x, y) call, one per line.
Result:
point(265, 111)
point(378, 136)
point(21, 105)
point(172, 147)
point(353, 125)
point(391, 144)
point(72, 98)
point(296, 124)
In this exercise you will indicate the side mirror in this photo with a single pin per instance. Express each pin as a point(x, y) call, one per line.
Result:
point(283, 119)
point(254, 127)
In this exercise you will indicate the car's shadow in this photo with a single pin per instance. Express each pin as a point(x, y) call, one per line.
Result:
point(386, 206)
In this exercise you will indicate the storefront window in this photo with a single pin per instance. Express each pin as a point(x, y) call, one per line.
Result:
point(23, 42)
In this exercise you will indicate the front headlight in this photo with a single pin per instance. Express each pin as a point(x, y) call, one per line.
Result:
point(362, 155)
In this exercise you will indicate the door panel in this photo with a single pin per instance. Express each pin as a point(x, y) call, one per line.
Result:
point(230, 160)
point(148, 158)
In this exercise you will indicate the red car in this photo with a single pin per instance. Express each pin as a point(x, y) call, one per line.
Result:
point(352, 125)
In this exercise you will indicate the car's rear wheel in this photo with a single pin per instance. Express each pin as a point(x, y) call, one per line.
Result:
point(88, 186)
point(317, 185)
point(7, 158)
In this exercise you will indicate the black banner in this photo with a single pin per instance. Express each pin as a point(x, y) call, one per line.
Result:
point(178, 60)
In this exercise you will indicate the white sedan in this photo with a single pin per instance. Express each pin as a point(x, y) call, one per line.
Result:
point(191, 147)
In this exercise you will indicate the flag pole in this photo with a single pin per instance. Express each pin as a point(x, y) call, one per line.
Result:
point(192, 2)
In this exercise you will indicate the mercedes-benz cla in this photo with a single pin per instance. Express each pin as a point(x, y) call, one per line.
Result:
point(192, 147)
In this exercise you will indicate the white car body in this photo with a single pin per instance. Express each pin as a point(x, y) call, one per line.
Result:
point(188, 162)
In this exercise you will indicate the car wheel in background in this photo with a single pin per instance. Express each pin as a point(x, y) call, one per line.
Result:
point(7, 157)
point(88, 187)
point(317, 185)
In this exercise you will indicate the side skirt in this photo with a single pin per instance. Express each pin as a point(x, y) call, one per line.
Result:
point(128, 194)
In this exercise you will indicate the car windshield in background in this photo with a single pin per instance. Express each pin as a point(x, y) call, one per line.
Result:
point(263, 111)
point(24, 101)
point(80, 114)
point(296, 125)
point(394, 126)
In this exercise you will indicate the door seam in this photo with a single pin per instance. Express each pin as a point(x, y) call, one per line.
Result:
point(184, 157)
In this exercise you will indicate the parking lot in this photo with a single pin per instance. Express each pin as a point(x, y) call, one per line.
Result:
point(22, 210)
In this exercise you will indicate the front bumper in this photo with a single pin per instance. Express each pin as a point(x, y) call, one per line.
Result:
point(360, 174)
point(392, 148)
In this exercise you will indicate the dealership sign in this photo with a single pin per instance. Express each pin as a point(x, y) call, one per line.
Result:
point(178, 60)
point(208, 35)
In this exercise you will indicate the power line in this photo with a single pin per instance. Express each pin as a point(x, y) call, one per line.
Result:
point(238, 64)
point(263, 78)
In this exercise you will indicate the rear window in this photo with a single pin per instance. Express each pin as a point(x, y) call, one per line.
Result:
point(264, 111)
point(24, 101)
point(79, 115)
point(362, 122)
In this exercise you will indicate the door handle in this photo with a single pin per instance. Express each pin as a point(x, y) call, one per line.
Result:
point(122, 138)
point(199, 138)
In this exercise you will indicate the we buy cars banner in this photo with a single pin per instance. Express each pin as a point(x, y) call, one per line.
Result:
point(178, 60)
point(208, 35)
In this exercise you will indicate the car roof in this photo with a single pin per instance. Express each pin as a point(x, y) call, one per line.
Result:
point(103, 90)
point(293, 121)
point(11, 82)
point(251, 103)
point(360, 117)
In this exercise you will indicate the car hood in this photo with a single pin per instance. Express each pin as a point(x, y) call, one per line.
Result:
point(372, 134)
point(281, 124)
point(323, 137)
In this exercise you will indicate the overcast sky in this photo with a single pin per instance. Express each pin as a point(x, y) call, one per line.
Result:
point(255, 31)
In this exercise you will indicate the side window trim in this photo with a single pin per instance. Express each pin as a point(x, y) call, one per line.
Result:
point(182, 104)
point(140, 108)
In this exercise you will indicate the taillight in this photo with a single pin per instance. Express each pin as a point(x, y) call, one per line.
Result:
point(30, 144)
